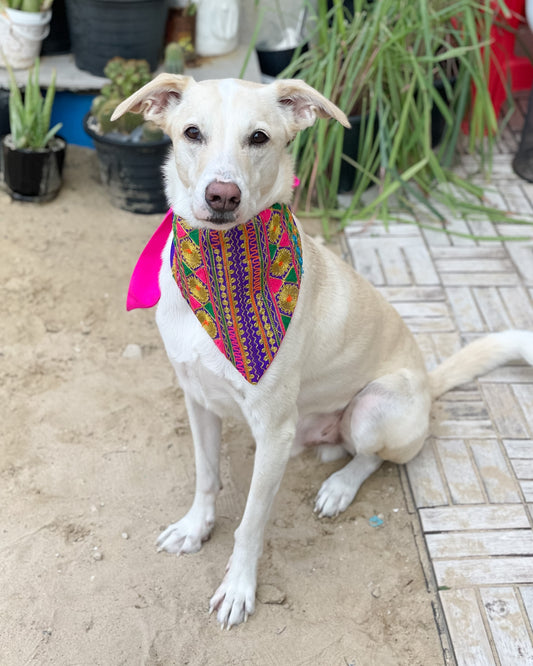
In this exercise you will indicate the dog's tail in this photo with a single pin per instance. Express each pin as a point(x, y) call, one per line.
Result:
point(479, 357)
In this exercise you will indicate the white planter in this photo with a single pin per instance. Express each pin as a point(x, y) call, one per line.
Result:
point(21, 35)
point(217, 26)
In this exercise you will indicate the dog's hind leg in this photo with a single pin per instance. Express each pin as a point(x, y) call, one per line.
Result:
point(387, 420)
point(188, 534)
point(339, 490)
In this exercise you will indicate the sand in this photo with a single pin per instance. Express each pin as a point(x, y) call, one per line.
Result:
point(96, 459)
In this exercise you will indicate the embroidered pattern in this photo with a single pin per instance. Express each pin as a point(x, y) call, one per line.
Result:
point(242, 284)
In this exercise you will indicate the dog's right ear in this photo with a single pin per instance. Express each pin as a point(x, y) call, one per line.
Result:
point(154, 98)
point(305, 104)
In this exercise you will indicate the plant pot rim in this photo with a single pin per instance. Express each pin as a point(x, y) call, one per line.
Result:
point(59, 142)
point(104, 138)
point(116, 2)
point(16, 12)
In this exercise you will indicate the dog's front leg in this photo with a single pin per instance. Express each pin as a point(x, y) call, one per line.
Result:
point(235, 598)
point(188, 534)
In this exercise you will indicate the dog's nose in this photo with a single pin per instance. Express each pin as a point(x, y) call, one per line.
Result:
point(223, 197)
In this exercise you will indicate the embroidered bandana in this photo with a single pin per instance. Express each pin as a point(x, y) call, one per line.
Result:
point(242, 284)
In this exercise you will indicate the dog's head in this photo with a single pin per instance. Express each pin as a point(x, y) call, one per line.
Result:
point(229, 160)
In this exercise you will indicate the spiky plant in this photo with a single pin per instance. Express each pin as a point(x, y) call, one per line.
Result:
point(29, 116)
point(126, 76)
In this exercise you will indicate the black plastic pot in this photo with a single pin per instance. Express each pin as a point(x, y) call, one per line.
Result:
point(4, 112)
point(273, 63)
point(58, 40)
point(102, 29)
point(34, 175)
point(132, 171)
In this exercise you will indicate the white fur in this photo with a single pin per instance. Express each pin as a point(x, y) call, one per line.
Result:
point(348, 372)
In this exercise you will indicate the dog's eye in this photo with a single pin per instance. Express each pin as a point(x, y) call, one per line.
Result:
point(258, 138)
point(193, 133)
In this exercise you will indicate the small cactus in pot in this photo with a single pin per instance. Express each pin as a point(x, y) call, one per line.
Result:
point(174, 59)
point(126, 77)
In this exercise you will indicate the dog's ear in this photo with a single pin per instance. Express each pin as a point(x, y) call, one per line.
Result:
point(306, 104)
point(153, 99)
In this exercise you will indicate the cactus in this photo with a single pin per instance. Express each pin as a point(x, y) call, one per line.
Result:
point(126, 76)
point(174, 59)
point(30, 119)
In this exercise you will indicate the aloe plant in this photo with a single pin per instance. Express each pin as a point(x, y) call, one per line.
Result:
point(27, 5)
point(29, 117)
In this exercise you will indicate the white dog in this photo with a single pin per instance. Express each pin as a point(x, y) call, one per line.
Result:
point(258, 319)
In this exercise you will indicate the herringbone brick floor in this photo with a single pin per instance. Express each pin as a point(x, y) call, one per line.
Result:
point(472, 485)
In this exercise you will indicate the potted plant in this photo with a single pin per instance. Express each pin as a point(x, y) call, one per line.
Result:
point(23, 26)
point(102, 29)
point(381, 63)
point(130, 151)
point(32, 153)
point(181, 26)
point(278, 41)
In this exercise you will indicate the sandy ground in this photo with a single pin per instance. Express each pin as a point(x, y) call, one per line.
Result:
point(96, 458)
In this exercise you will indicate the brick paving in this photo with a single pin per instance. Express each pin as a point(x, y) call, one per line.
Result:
point(472, 485)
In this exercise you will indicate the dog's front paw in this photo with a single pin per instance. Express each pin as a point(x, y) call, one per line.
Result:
point(185, 536)
point(334, 496)
point(234, 600)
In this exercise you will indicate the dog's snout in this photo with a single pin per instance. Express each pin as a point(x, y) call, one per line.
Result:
point(223, 197)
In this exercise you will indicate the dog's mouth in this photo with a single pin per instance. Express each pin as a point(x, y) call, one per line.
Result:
point(221, 219)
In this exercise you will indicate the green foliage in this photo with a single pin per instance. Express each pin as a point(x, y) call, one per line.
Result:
point(126, 77)
point(29, 118)
point(27, 5)
point(382, 63)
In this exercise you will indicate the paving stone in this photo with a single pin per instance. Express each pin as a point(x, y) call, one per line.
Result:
point(469, 637)
point(412, 294)
point(479, 279)
point(468, 572)
point(452, 545)
point(507, 626)
point(425, 478)
point(492, 308)
point(518, 305)
point(459, 472)
point(524, 395)
point(497, 478)
point(465, 310)
point(421, 265)
point(505, 411)
point(486, 516)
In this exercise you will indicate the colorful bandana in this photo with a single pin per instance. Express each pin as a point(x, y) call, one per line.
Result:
point(242, 284)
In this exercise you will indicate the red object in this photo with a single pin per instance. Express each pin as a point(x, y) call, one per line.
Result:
point(505, 67)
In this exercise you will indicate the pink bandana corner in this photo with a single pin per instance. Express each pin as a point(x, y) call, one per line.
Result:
point(143, 291)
